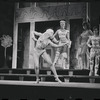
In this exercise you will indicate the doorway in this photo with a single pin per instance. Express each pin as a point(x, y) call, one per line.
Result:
point(75, 31)
point(23, 45)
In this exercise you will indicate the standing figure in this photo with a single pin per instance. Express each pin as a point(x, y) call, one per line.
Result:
point(94, 43)
point(63, 38)
point(40, 49)
point(83, 48)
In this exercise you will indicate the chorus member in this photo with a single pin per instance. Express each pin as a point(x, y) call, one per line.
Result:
point(63, 35)
point(94, 43)
point(84, 51)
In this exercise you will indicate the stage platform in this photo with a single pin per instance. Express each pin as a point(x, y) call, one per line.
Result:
point(66, 75)
point(30, 90)
point(19, 84)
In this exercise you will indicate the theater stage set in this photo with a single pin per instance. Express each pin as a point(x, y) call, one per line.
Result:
point(18, 82)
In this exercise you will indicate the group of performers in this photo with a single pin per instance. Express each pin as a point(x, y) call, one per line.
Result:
point(88, 39)
point(89, 49)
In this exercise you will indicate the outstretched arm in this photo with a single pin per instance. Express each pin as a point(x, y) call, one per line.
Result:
point(55, 45)
point(55, 40)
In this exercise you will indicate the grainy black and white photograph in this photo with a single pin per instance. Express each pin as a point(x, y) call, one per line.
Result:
point(49, 50)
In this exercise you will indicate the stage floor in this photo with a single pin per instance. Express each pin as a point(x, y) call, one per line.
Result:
point(30, 90)
point(52, 84)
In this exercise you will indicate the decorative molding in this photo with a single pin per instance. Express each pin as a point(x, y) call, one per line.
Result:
point(50, 13)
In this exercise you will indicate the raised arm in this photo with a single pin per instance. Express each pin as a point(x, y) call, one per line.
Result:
point(37, 33)
point(33, 37)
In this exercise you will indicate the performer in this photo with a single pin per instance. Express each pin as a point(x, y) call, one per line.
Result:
point(63, 38)
point(43, 41)
point(83, 48)
point(94, 43)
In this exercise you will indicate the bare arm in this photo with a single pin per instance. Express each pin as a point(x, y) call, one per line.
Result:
point(53, 37)
point(67, 35)
point(69, 41)
point(99, 40)
point(79, 40)
point(37, 33)
point(90, 32)
point(55, 33)
point(55, 45)
point(55, 40)
point(33, 37)
point(88, 42)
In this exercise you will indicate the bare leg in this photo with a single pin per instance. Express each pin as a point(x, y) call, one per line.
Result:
point(88, 58)
point(37, 75)
point(83, 61)
point(64, 57)
point(36, 66)
point(56, 57)
point(91, 63)
point(96, 66)
point(83, 55)
point(91, 69)
point(48, 60)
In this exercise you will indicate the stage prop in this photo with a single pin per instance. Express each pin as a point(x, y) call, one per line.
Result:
point(6, 41)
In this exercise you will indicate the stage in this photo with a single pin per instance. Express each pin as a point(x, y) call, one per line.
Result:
point(26, 90)
point(19, 84)
point(52, 84)
point(66, 75)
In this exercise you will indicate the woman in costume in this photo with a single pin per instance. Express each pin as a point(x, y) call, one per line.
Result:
point(63, 35)
point(94, 43)
point(83, 48)
point(43, 41)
